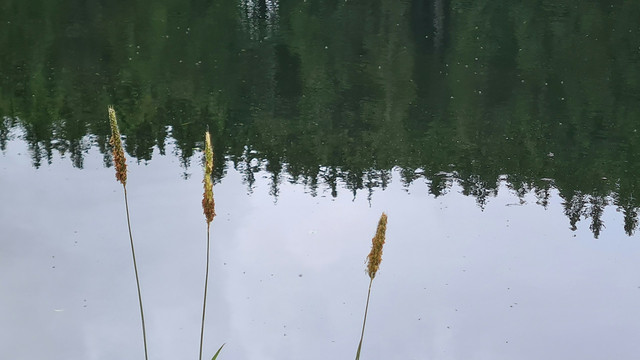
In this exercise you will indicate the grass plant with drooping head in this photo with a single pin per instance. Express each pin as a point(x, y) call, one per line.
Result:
point(373, 264)
point(208, 206)
point(120, 163)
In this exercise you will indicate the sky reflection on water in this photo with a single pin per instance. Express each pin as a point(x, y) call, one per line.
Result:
point(509, 282)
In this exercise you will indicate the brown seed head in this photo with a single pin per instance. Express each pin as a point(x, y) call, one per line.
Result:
point(119, 161)
point(375, 256)
point(208, 204)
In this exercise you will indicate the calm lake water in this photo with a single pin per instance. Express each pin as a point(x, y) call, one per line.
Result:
point(501, 140)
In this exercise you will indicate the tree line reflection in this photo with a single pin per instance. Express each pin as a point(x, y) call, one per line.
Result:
point(539, 96)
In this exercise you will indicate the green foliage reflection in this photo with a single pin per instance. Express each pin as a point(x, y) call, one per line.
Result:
point(541, 95)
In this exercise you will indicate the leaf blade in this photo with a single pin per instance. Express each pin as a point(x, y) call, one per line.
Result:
point(217, 352)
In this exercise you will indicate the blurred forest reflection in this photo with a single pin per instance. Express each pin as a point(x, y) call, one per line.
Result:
point(540, 95)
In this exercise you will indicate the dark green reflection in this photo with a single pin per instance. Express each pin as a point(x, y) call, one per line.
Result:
point(542, 95)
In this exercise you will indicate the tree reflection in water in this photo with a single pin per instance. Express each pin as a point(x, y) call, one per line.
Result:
point(339, 94)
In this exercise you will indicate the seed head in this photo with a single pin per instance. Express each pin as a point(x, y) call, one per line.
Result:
point(375, 256)
point(208, 204)
point(119, 161)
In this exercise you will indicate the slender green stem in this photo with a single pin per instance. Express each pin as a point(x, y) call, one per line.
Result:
point(204, 301)
point(366, 309)
point(135, 268)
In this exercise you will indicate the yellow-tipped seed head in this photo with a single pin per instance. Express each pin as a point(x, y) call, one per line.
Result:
point(208, 204)
point(119, 161)
point(375, 256)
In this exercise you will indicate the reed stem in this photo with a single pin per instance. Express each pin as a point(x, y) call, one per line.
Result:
point(208, 207)
point(120, 164)
point(204, 301)
point(373, 264)
point(135, 268)
point(364, 322)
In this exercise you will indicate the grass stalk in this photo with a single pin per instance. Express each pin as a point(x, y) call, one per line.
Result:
point(120, 164)
point(373, 264)
point(364, 322)
point(204, 301)
point(135, 269)
point(208, 206)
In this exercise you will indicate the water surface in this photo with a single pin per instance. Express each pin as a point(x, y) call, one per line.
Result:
point(501, 141)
